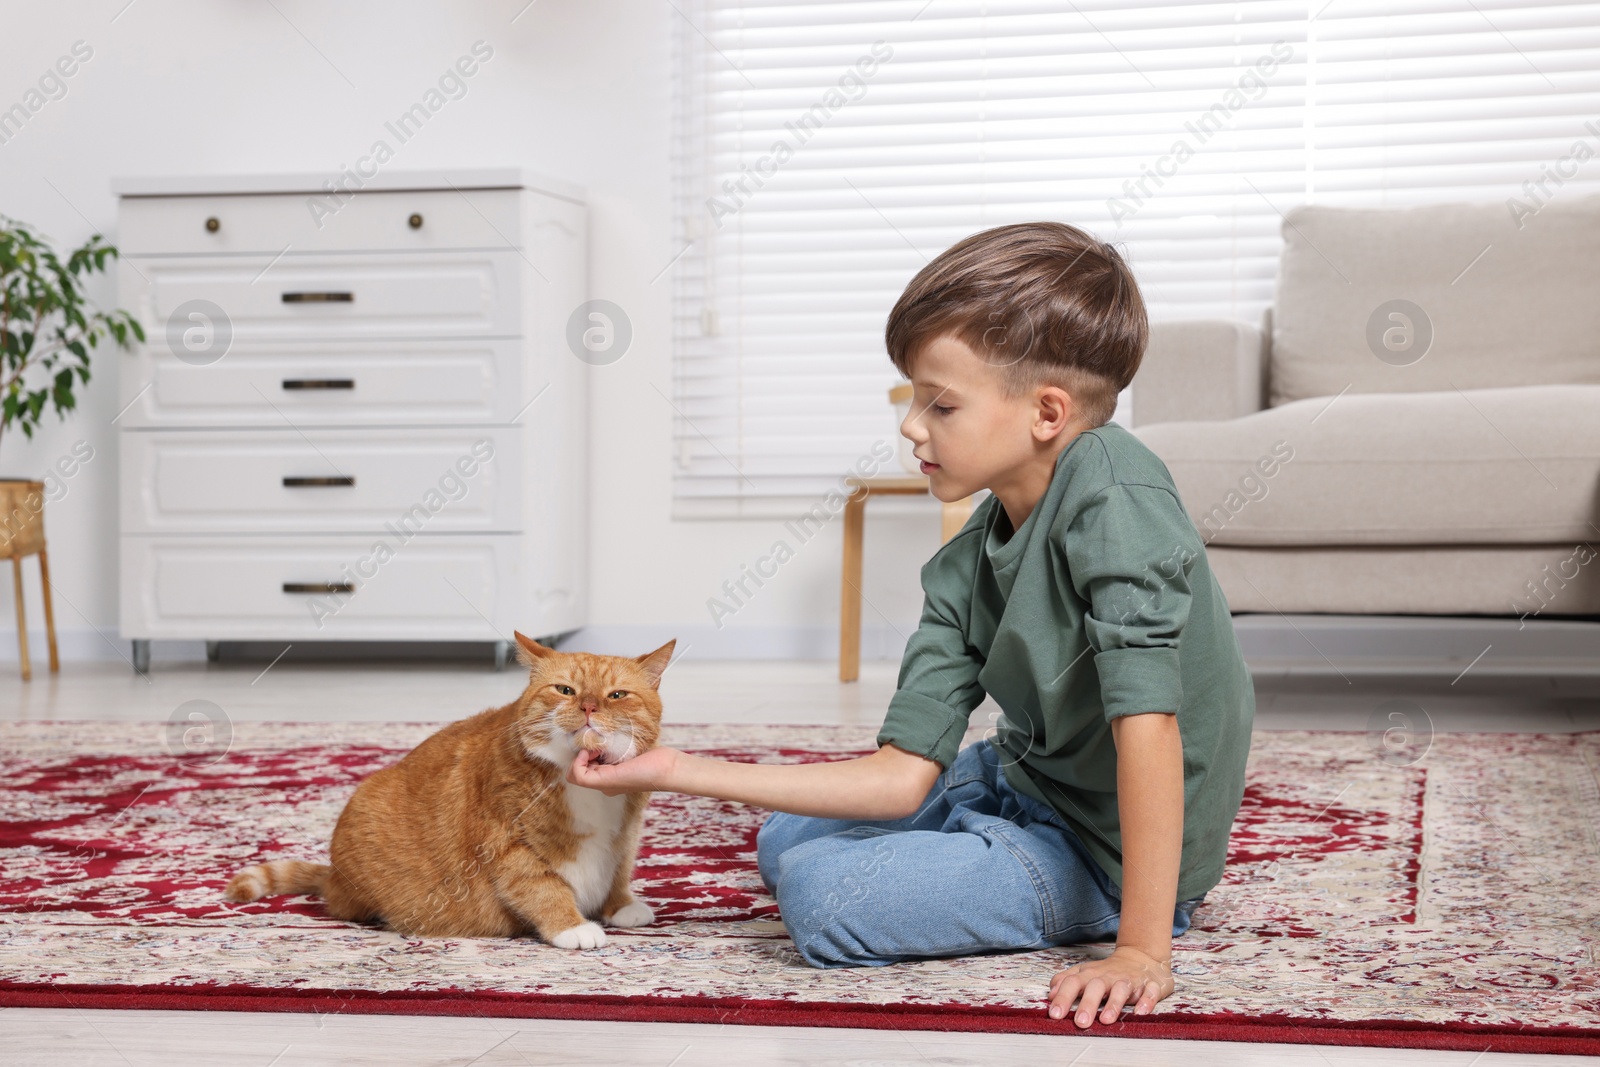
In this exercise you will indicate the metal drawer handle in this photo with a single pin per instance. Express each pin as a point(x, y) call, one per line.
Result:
point(291, 482)
point(319, 383)
point(318, 298)
point(319, 587)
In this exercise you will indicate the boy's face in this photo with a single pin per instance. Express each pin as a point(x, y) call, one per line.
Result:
point(968, 433)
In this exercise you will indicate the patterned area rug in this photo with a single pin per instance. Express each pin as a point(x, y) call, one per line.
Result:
point(1449, 903)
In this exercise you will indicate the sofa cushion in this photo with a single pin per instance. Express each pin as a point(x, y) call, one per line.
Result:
point(1480, 466)
point(1509, 294)
point(1532, 582)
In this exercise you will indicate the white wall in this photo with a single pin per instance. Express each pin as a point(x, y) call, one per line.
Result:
point(578, 90)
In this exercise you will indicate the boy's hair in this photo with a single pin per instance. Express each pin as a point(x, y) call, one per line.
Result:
point(1044, 301)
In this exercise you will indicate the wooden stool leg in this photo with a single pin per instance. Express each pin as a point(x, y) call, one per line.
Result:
point(850, 588)
point(49, 613)
point(22, 620)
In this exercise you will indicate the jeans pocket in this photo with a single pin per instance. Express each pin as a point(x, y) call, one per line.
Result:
point(1073, 904)
point(866, 831)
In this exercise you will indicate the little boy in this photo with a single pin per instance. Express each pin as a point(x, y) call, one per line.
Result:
point(1078, 596)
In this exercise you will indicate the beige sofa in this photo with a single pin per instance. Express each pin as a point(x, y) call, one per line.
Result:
point(1357, 455)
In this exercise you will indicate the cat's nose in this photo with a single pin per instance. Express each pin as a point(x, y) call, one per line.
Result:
point(589, 708)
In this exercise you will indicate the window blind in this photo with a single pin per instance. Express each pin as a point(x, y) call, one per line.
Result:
point(824, 152)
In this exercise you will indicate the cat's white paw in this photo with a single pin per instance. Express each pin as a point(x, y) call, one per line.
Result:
point(630, 915)
point(584, 935)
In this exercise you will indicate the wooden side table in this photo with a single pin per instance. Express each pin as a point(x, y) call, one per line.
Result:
point(954, 515)
point(22, 534)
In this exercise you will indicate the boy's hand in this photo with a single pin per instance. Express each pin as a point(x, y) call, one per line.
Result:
point(646, 772)
point(1128, 974)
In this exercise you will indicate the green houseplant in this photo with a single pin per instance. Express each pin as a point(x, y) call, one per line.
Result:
point(47, 325)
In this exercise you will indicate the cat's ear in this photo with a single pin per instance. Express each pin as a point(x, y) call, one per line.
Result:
point(530, 652)
point(655, 663)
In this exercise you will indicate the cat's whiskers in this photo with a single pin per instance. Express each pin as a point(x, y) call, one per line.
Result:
point(633, 748)
point(534, 734)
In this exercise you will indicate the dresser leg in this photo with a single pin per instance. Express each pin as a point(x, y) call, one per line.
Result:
point(141, 655)
point(502, 654)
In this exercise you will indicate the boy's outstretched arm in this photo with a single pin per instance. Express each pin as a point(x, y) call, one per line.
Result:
point(889, 784)
point(1150, 810)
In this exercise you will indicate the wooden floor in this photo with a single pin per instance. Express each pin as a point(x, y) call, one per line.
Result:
point(693, 691)
point(34, 1038)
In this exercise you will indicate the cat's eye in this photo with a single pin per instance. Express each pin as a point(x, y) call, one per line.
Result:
point(565, 690)
point(616, 694)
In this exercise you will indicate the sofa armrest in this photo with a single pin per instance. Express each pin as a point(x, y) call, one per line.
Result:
point(1200, 370)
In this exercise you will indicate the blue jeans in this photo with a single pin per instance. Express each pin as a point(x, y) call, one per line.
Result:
point(979, 867)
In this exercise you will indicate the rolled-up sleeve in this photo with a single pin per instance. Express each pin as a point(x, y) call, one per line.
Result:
point(938, 687)
point(1130, 552)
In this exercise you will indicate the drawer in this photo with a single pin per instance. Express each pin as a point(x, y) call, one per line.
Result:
point(302, 222)
point(321, 481)
point(309, 384)
point(200, 307)
point(432, 587)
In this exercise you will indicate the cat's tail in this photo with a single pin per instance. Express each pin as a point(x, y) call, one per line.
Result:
point(277, 877)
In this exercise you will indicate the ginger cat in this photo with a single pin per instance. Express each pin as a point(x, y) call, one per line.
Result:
point(477, 833)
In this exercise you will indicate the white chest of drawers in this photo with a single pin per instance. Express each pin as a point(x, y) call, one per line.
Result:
point(356, 415)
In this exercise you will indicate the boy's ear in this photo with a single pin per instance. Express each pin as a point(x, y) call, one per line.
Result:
point(655, 663)
point(530, 652)
point(1056, 411)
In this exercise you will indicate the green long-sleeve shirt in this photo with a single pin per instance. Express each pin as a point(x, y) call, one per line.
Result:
point(1101, 605)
